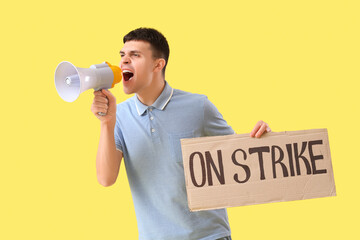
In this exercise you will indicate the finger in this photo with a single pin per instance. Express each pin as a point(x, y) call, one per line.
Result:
point(99, 93)
point(96, 106)
point(97, 110)
point(261, 130)
point(100, 99)
point(100, 105)
point(256, 128)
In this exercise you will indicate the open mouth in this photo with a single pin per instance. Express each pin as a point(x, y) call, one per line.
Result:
point(127, 75)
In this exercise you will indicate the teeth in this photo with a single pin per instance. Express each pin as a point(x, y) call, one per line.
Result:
point(127, 71)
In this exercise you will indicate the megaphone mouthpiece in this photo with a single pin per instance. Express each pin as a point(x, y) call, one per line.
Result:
point(73, 81)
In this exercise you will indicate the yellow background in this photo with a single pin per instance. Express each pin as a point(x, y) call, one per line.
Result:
point(293, 64)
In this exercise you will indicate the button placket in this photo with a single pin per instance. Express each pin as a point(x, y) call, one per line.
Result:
point(152, 129)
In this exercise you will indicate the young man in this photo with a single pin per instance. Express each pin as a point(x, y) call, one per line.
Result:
point(146, 130)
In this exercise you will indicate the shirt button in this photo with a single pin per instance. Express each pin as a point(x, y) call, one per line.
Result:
point(151, 118)
point(152, 130)
point(150, 109)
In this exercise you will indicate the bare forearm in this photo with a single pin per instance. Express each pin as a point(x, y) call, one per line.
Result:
point(108, 159)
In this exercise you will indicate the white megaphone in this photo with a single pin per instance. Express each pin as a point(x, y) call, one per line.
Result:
point(70, 81)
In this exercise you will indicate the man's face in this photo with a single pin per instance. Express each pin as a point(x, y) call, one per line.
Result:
point(137, 64)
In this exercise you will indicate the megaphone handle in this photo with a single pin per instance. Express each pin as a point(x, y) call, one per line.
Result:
point(99, 89)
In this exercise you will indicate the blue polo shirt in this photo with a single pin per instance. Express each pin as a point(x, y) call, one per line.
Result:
point(149, 137)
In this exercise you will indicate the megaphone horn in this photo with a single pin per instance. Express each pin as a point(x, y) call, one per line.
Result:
point(70, 81)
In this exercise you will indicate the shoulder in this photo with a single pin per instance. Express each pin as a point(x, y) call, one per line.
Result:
point(188, 96)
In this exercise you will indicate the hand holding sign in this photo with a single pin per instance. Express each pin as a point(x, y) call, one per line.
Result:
point(259, 129)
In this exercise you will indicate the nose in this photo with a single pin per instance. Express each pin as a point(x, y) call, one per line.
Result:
point(124, 60)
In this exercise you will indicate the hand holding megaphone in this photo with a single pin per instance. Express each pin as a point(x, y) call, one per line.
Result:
point(104, 102)
point(70, 81)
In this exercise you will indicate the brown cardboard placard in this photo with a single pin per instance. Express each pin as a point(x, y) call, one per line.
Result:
point(236, 170)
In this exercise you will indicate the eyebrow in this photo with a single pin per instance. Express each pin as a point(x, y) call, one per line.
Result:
point(131, 52)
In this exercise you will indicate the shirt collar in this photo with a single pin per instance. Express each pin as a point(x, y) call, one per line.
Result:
point(160, 103)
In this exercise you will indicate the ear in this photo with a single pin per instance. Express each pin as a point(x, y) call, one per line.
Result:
point(159, 64)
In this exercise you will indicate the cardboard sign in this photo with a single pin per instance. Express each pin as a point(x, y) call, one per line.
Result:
point(236, 170)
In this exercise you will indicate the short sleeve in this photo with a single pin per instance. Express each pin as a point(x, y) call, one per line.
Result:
point(214, 123)
point(118, 137)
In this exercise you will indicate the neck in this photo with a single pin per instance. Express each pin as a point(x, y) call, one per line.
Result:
point(149, 96)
